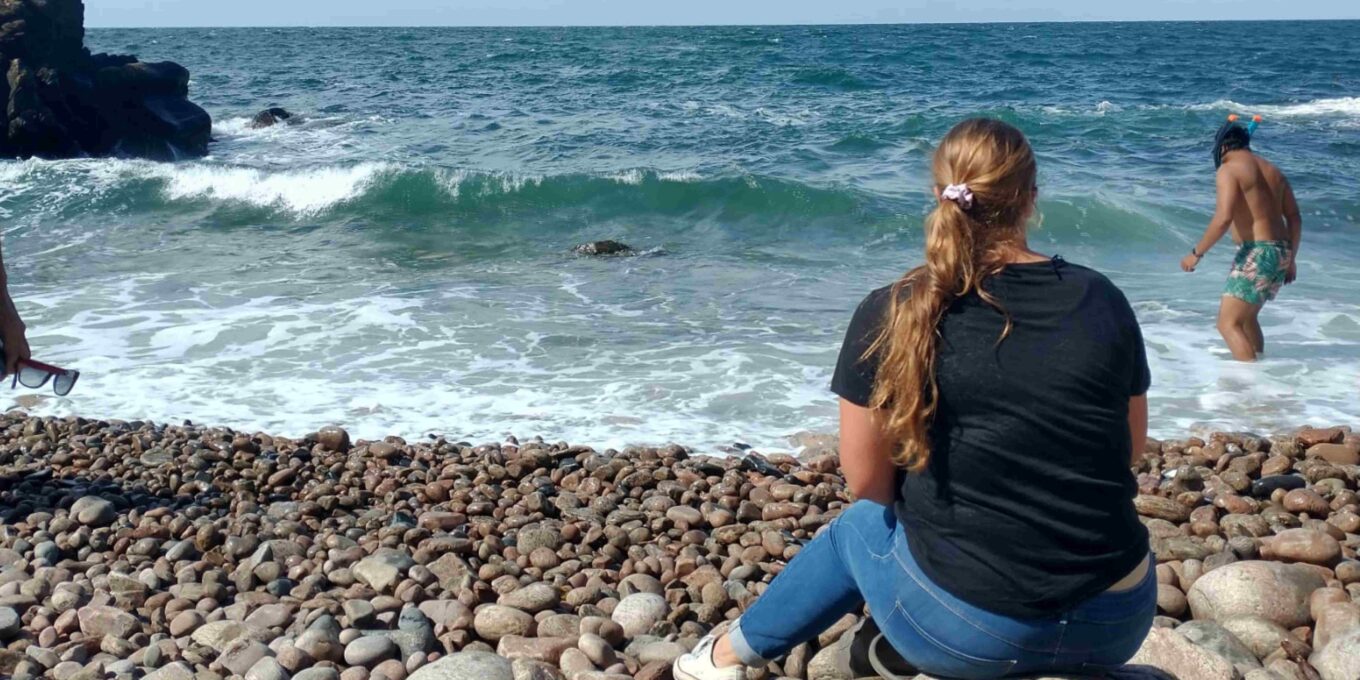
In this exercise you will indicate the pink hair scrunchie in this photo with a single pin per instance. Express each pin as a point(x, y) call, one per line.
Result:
point(960, 194)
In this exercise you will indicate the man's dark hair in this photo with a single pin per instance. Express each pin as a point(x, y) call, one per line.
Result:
point(1235, 138)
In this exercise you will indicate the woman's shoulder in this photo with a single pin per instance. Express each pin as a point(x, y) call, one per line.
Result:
point(876, 303)
point(879, 296)
point(872, 312)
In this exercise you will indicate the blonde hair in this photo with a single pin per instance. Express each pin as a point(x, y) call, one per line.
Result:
point(963, 248)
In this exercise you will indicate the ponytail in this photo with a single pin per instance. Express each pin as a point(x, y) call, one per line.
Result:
point(984, 175)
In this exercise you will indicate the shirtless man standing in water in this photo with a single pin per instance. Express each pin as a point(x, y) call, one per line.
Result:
point(1256, 201)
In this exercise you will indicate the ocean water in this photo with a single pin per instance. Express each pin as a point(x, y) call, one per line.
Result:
point(398, 261)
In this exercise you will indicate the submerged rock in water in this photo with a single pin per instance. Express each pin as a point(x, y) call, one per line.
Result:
point(63, 102)
point(603, 248)
point(271, 117)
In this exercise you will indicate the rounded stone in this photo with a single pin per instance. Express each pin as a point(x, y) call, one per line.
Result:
point(1172, 652)
point(94, 511)
point(1214, 637)
point(9, 623)
point(1340, 659)
point(1170, 600)
point(1270, 590)
point(1302, 545)
point(1261, 636)
point(494, 622)
point(370, 650)
point(638, 612)
point(533, 598)
point(1306, 500)
point(266, 669)
point(474, 665)
point(317, 674)
point(334, 438)
point(597, 651)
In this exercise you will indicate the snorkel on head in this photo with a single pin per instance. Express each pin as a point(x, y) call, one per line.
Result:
point(1235, 132)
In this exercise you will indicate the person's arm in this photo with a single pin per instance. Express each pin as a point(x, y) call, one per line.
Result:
point(1294, 221)
point(866, 456)
point(1219, 224)
point(12, 330)
point(1138, 426)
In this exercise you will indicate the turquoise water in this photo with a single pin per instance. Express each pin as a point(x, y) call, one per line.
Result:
point(398, 261)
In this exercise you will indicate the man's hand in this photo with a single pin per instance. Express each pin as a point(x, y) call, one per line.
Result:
point(1292, 274)
point(16, 343)
point(1189, 262)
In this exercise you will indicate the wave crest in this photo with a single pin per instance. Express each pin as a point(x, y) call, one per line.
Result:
point(1333, 106)
point(389, 191)
point(304, 193)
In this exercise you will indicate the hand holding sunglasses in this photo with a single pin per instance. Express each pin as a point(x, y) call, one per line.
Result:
point(35, 374)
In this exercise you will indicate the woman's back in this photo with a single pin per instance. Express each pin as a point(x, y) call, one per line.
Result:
point(990, 404)
point(1025, 508)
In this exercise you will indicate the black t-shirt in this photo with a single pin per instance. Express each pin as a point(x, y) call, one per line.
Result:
point(1026, 507)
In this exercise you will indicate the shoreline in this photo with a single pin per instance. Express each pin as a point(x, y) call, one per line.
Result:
point(174, 552)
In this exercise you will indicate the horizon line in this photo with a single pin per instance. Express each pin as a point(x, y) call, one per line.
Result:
point(745, 25)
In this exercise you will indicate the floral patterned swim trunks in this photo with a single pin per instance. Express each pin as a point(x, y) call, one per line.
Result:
point(1258, 271)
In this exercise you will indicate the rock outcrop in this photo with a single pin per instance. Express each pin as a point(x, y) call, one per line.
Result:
point(270, 117)
point(61, 101)
point(605, 247)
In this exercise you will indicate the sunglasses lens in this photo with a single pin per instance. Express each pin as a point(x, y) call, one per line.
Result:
point(33, 377)
point(64, 383)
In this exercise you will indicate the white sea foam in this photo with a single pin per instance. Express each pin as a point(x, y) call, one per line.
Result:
point(680, 176)
point(554, 362)
point(1335, 106)
point(637, 176)
point(632, 177)
point(299, 126)
point(381, 364)
point(457, 182)
point(235, 126)
point(1107, 106)
point(303, 192)
point(1196, 386)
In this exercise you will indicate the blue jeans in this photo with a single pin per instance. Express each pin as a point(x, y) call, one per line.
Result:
point(863, 557)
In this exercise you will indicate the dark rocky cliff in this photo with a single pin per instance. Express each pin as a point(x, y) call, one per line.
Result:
point(60, 101)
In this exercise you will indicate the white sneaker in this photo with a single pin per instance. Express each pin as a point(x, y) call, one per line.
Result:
point(698, 664)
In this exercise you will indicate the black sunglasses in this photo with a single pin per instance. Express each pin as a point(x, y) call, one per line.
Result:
point(35, 374)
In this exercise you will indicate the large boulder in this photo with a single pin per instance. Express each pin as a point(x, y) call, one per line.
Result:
point(1174, 653)
point(1261, 636)
point(60, 101)
point(1340, 659)
point(1269, 590)
point(1335, 620)
point(1214, 637)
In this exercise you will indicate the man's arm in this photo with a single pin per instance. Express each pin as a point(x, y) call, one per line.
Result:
point(1294, 221)
point(1228, 195)
point(12, 330)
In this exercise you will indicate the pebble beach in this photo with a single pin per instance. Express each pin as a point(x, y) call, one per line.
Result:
point(137, 550)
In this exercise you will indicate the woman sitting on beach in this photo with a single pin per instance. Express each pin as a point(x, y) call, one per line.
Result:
point(991, 402)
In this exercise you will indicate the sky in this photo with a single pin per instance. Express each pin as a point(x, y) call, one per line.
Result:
point(157, 13)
